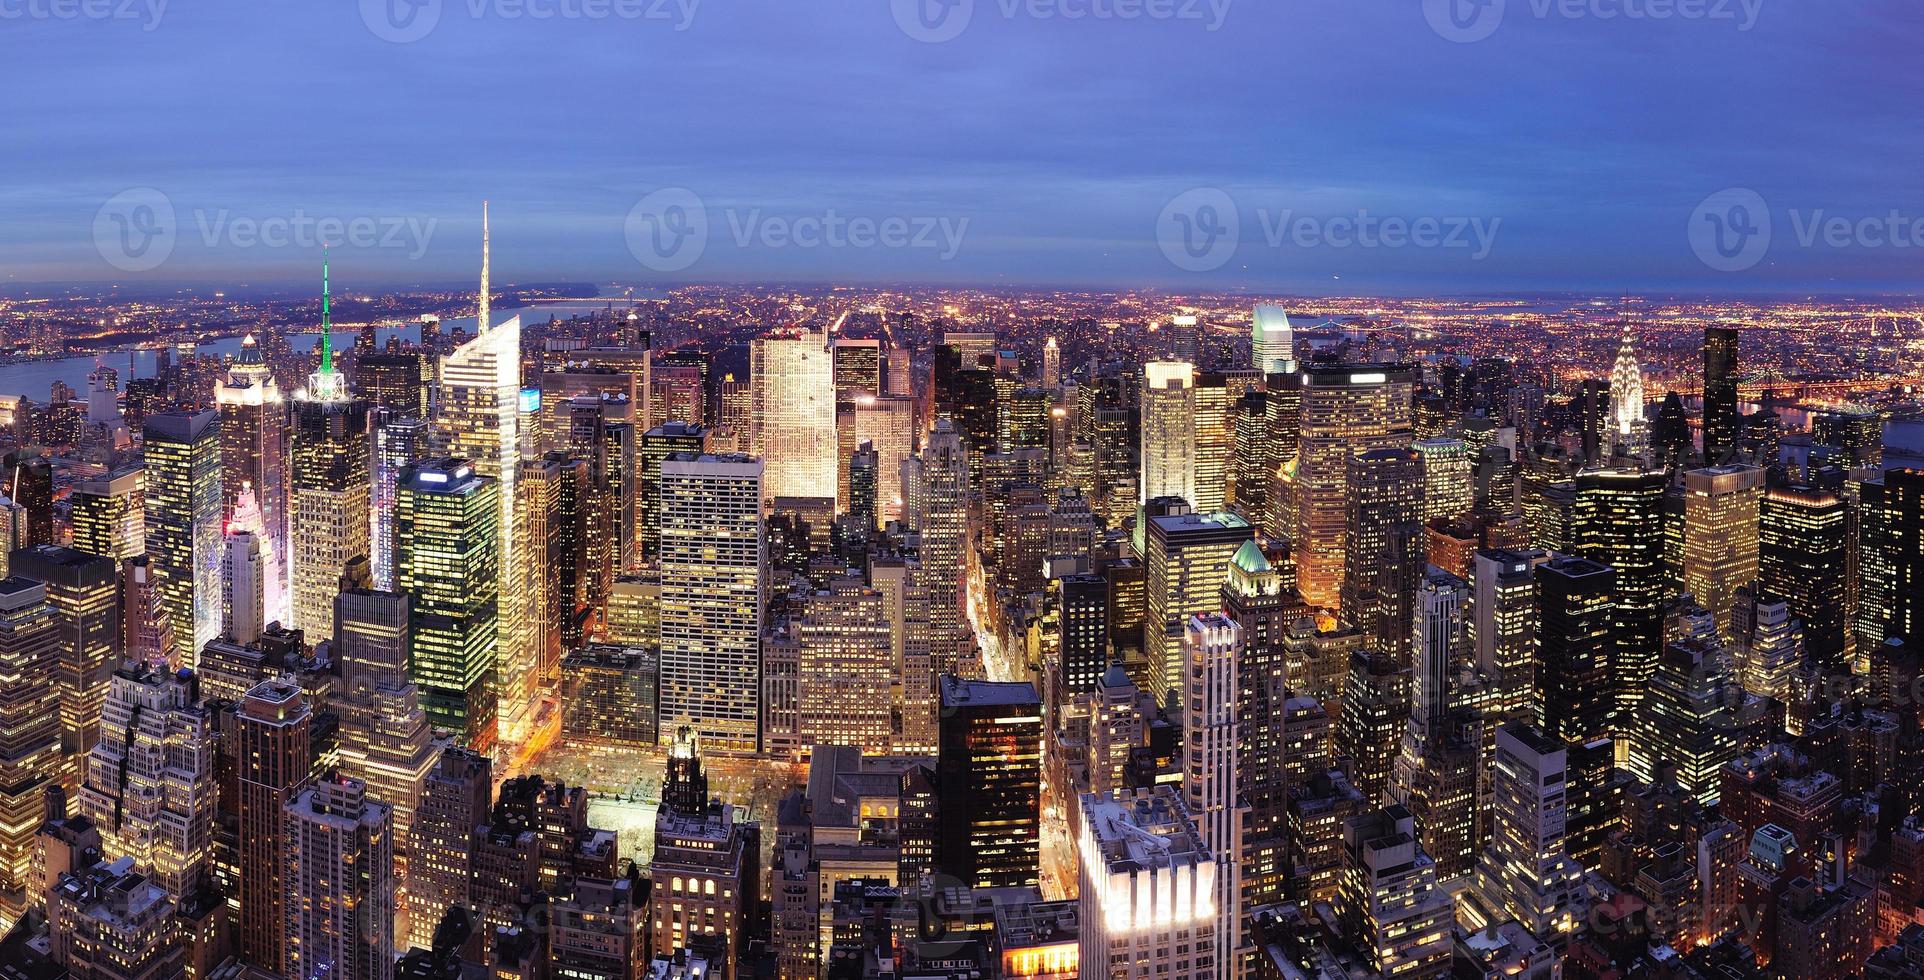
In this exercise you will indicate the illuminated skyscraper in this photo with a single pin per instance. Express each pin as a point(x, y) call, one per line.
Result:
point(888, 425)
point(183, 525)
point(1449, 487)
point(1575, 603)
point(1687, 720)
point(1051, 364)
point(340, 882)
point(989, 777)
point(1628, 431)
point(1212, 766)
point(109, 515)
point(1721, 506)
point(253, 448)
point(1272, 345)
point(1149, 887)
point(847, 669)
point(479, 419)
point(1802, 558)
point(1384, 534)
point(385, 739)
point(30, 759)
point(658, 444)
point(1389, 897)
point(1187, 561)
point(712, 571)
point(1215, 396)
point(271, 744)
point(1618, 521)
point(445, 538)
point(945, 529)
point(1168, 431)
point(83, 591)
point(1524, 871)
point(454, 801)
point(243, 588)
point(1721, 413)
point(1503, 626)
point(150, 781)
point(328, 479)
point(400, 441)
point(1346, 410)
point(792, 413)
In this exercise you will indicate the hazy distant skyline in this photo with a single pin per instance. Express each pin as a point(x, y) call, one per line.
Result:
point(1546, 146)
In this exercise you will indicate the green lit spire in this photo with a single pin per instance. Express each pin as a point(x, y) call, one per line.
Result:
point(327, 325)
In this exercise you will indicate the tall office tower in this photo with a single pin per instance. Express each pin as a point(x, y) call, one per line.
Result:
point(1082, 609)
point(183, 506)
point(1802, 539)
point(147, 633)
point(707, 868)
point(445, 560)
point(1253, 474)
point(1212, 746)
point(274, 757)
point(989, 777)
point(1503, 624)
point(103, 396)
point(1272, 347)
point(400, 441)
point(658, 444)
point(677, 381)
point(857, 367)
point(392, 382)
point(1687, 721)
point(1346, 410)
point(1384, 535)
point(253, 453)
point(385, 739)
point(83, 591)
point(945, 530)
point(243, 588)
point(848, 669)
point(1856, 433)
point(1187, 558)
point(30, 488)
point(109, 515)
point(1888, 579)
point(1261, 598)
point(1148, 886)
point(1628, 430)
point(1618, 521)
point(1389, 897)
point(1169, 434)
point(30, 759)
point(713, 566)
point(1670, 439)
point(791, 420)
point(340, 883)
point(149, 784)
point(1524, 871)
point(328, 476)
point(1769, 648)
point(1721, 413)
point(1216, 395)
point(543, 524)
point(480, 419)
point(454, 801)
point(1721, 505)
point(1441, 649)
point(887, 423)
point(1375, 716)
point(1449, 487)
point(1116, 729)
point(1051, 364)
point(905, 608)
point(864, 510)
point(1575, 606)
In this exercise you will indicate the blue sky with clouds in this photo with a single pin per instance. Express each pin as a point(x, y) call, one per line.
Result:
point(1361, 145)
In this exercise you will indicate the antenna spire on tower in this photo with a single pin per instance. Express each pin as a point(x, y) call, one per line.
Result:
point(327, 321)
point(481, 321)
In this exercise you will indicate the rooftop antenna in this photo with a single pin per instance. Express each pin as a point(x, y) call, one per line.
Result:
point(481, 321)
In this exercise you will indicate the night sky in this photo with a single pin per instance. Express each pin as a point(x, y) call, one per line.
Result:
point(1573, 147)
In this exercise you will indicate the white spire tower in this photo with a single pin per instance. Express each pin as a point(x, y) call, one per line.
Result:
point(1626, 394)
point(481, 321)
